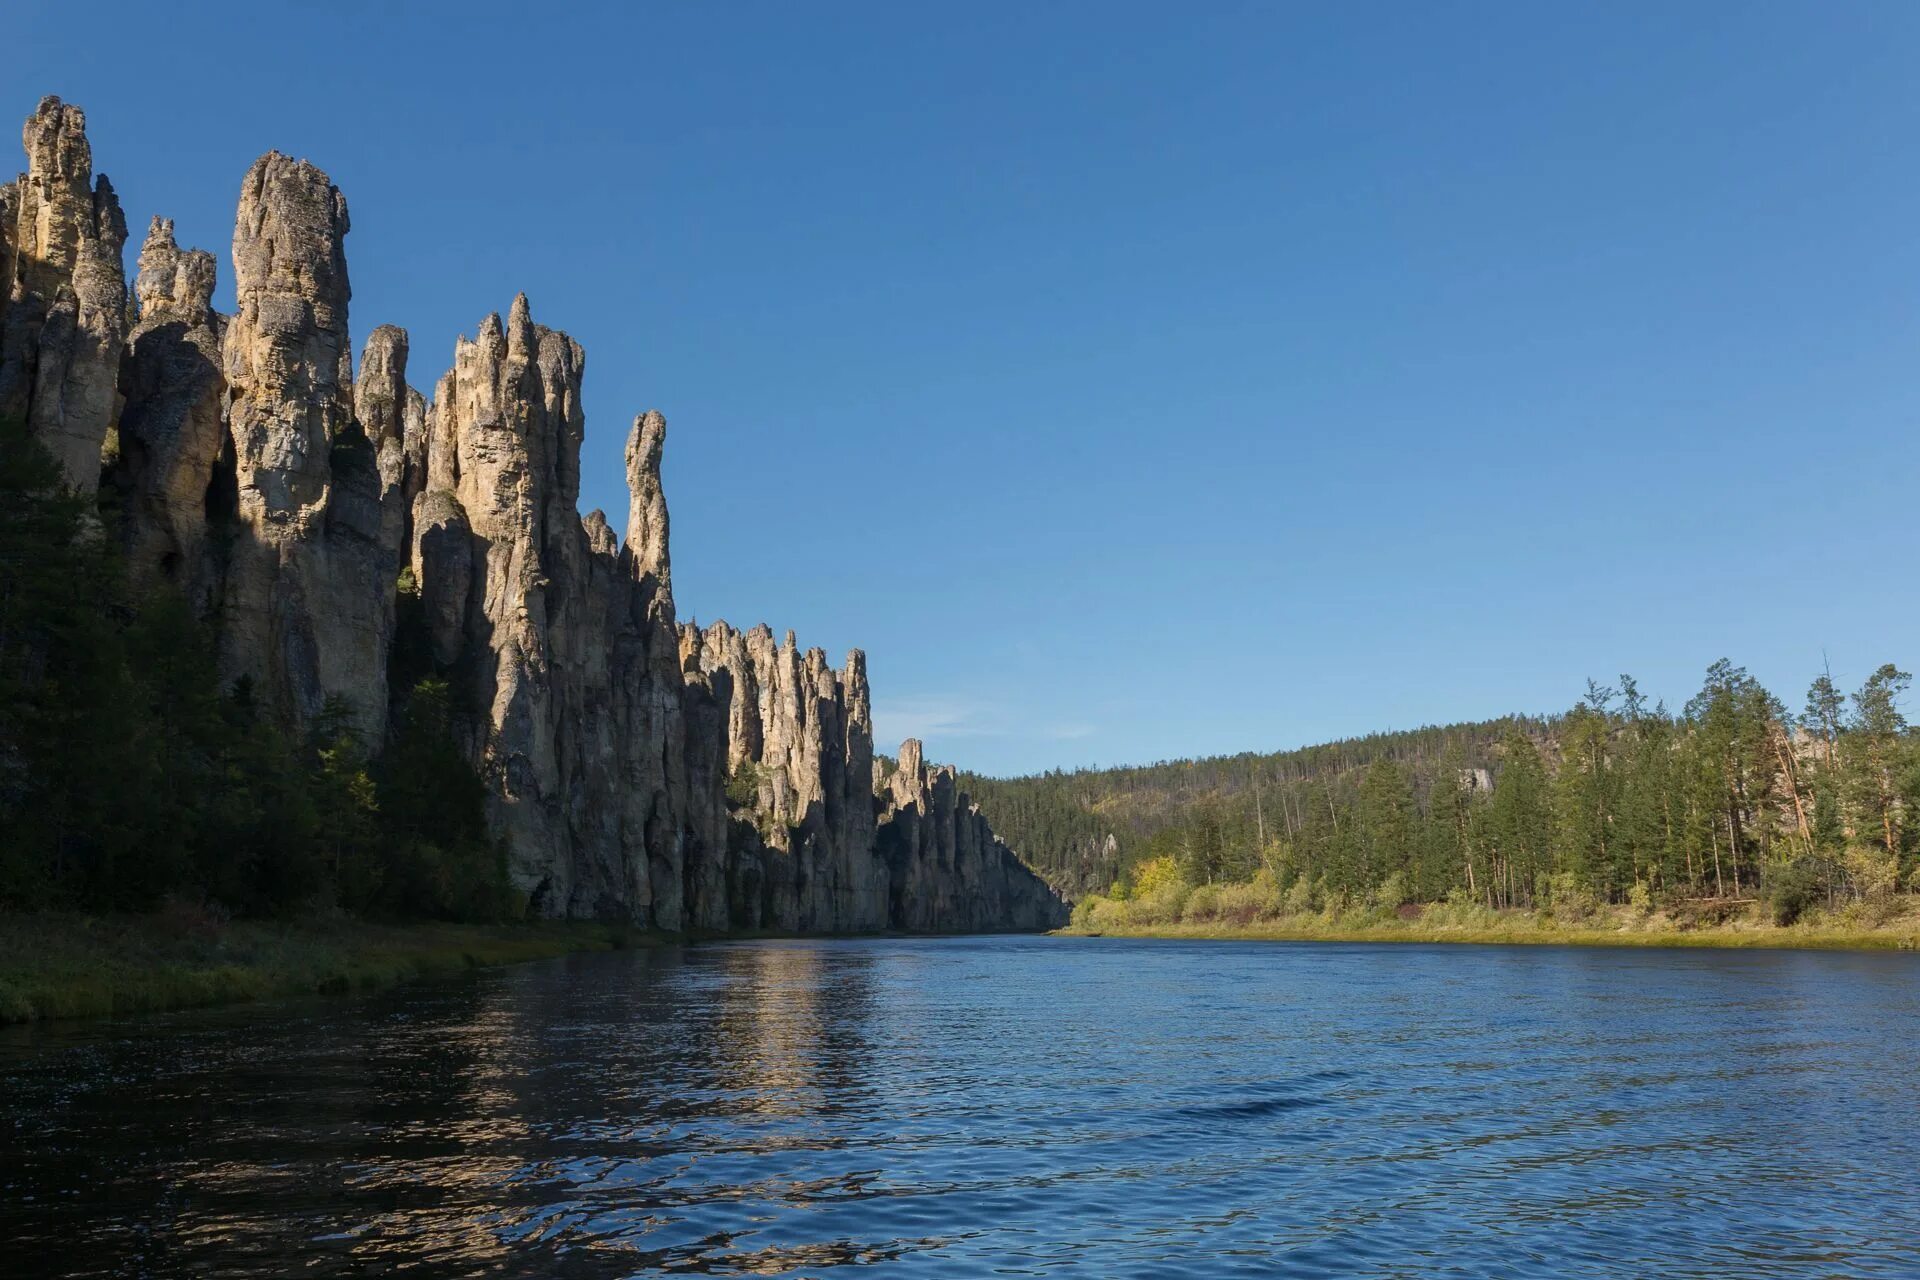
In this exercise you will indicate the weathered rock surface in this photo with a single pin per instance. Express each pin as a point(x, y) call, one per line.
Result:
point(173, 429)
point(307, 605)
point(393, 417)
point(950, 872)
point(796, 746)
point(563, 649)
point(657, 805)
point(65, 293)
point(635, 768)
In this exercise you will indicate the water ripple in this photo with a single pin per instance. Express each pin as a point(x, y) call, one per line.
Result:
point(963, 1107)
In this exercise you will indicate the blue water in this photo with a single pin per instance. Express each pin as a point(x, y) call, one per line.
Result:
point(996, 1106)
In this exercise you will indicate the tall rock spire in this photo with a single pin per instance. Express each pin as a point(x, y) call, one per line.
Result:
point(686, 870)
point(288, 359)
point(172, 431)
point(65, 293)
point(570, 667)
point(947, 869)
point(647, 523)
point(393, 417)
point(307, 608)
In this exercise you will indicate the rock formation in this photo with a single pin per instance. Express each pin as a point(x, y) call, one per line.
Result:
point(65, 293)
point(950, 872)
point(562, 646)
point(393, 416)
point(173, 431)
point(794, 740)
point(306, 609)
point(635, 768)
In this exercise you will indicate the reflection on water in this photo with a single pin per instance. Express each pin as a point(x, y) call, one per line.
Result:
point(960, 1107)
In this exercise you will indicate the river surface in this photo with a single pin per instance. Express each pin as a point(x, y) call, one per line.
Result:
point(995, 1106)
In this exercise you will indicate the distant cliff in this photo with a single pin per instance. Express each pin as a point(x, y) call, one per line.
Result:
point(346, 536)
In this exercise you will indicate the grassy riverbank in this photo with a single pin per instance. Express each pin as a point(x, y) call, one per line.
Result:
point(59, 965)
point(1615, 927)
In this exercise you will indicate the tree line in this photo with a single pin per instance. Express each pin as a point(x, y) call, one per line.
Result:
point(1735, 797)
point(130, 774)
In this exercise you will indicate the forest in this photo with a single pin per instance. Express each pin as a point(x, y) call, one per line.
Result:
point(129, 776)
point(1735, 798)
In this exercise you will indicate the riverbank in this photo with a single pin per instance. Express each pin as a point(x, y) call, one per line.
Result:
point(1622, 927)
point(59, 965)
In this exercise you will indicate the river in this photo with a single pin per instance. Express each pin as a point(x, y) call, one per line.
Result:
point(996, 1106)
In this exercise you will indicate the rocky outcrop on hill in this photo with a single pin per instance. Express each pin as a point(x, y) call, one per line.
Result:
point(65, 293)
point(635, 768)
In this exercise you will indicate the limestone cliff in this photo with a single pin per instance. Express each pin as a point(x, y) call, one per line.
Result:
point(949, 871)
point(65, 293)
point(306, 602)
point(173, 431)
point(556, 642)
point(634, 767)
point(794, 741)
point(393, 417)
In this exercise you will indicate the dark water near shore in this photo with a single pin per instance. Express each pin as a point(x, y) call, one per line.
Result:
point(996, 1106)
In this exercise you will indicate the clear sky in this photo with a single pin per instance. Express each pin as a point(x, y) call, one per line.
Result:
point(1139, 381)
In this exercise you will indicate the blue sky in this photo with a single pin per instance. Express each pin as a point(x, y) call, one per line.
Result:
point(1138, 381)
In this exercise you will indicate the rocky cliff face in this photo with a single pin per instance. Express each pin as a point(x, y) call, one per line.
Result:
point(635, 767)
point(949, 871)
point(562, 646)
point(66, 293)
point(173, 431)
point(793, 740)
point(306, 605)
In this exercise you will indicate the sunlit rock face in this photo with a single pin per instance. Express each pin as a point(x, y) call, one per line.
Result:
point(636, 768)
point(307, 599)
point(563, 645)
point(64, 293)
point(950, 872)
point(795, 743)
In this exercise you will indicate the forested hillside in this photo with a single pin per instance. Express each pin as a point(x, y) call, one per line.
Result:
point(1615, 800)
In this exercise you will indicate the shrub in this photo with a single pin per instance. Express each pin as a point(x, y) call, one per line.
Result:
point(743, 786)
point(1082, 917)
point(1874, 872)
point(1105, 915)
point(1302, 897)
point(1162, 905)
point(1257, 899)
point(1792, 888)
point(1155, 874)
point(1568, 897)
point(1460, 909)
point(1202, 904)
point(1390, 892)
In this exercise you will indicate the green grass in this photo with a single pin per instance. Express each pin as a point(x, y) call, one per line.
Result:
point(58, 965)
point(1615, 928)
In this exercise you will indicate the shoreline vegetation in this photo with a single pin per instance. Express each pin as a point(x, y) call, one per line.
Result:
point(1731, 822)
point(62, 965)
point(1525, 929)
point(1727, 925)
point(57, 965)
